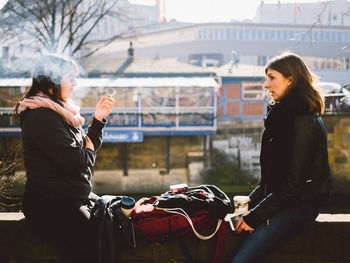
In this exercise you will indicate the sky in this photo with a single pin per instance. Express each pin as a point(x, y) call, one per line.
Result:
point(2, 3)
point(198, 11)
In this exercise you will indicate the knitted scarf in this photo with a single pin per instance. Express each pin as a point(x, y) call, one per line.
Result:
point(69, 111)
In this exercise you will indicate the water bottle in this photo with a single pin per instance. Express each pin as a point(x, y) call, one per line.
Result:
point(127, 204)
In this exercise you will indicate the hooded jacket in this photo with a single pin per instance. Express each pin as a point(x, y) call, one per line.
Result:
point(293, 160)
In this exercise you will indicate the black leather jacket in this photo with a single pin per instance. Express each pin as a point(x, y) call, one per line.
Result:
point(294, 161)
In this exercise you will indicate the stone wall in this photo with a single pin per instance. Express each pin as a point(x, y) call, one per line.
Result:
point(326, 241)
point(338, 136)
point(151, 153)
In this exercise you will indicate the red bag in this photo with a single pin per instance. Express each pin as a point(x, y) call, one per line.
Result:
point(157, 224)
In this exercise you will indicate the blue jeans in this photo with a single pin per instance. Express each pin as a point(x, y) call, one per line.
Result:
point(266, 237)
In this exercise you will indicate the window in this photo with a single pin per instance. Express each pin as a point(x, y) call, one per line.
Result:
point(308, 36)
point(285, 37)
point(247, 34)
point(321, 35)
point(339, 37)
point(228, 33)
point(266, 34)
point(240, 34)
point(8, 96)
point(291, 35)
point(204, 33)
point(253, 34)
point(216, 33)
point(327, 36)
point(259, 34)
point(322, 63)
point(234, 33)
point(340, 63)
point(158, 97)
point(347, 63)
point(344, 36)
point(308, 61)
point(315, 36)
point(195, 97)
point(315, 63)
point(272, 34)
point(253, 91)
point(333, 36)
point(222, 33)
point(278, 34)
point(262, 60)
point(329, 63)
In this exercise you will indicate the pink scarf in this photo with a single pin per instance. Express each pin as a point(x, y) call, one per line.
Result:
point(69, 111)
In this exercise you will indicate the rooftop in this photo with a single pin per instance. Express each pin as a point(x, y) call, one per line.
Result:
point(123, 66)
point(240, 70)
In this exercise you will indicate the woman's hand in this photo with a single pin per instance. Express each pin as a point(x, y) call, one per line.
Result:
point(89, 144)
point(242, 226)
point(104, 107)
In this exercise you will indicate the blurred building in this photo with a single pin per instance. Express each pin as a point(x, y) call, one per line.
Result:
point(325, 48)
point(335, 13)
point(319, 32)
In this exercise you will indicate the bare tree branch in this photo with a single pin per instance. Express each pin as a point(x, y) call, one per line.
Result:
point(107, 42)
point(58, 25)
point(9, 197)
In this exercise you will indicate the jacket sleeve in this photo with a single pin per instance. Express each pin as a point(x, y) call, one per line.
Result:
point(46, 130)
point(306, 134)
point(95, 132)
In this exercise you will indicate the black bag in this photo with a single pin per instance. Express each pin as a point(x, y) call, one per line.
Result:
point(208, 197)
point(115, 230)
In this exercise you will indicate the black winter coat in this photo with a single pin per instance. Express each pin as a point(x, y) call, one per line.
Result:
point(293, 160)
point(57, 163)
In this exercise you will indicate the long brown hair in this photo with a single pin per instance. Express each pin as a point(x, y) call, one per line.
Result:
point(47, 77)
point(292, 65)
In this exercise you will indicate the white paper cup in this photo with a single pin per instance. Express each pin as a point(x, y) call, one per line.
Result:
point(240, 202)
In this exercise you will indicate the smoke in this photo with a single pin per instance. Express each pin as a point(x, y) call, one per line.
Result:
point(54, 67)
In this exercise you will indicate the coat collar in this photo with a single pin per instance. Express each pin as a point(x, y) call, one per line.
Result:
point(283, 112)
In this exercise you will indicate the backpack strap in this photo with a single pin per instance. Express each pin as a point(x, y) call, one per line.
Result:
point(185, 215)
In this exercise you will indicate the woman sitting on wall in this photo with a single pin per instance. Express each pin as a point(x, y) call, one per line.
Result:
point(295, 173)
point(58, 157)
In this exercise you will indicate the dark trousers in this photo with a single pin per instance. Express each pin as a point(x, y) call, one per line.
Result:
point(67, 223)
point(266, 238)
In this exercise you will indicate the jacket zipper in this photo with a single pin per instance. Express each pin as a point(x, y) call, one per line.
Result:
point(133, 236)
point(265, 193)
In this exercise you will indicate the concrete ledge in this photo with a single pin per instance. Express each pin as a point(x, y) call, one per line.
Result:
point(328, 240)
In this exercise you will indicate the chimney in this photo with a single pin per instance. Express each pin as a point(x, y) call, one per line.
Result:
point(261, 10)
point(5, 53)
point(130, 51)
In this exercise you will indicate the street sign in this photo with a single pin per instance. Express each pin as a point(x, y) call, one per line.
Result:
point(122, 136)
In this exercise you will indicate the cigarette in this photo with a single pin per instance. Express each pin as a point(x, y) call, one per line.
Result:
point(114, 92)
